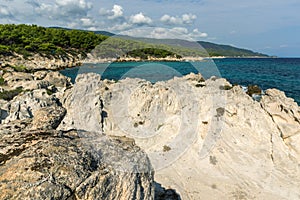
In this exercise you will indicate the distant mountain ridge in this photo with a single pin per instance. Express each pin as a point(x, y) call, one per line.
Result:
point(228, 51)
point(106, 33)
point(29, 40)
point(212, 49)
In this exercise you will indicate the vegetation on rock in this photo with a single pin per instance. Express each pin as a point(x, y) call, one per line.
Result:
point(9, 95)
point(253, 89)
point(20, 68)
point(2, 81)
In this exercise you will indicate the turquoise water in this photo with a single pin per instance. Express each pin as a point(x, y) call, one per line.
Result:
point(280, 73)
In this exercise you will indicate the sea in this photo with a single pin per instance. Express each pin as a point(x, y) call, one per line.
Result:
point(280, 73)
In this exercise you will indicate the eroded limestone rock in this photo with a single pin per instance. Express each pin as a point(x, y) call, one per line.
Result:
point(83, 104)
point(205, 139)
point(48, 164)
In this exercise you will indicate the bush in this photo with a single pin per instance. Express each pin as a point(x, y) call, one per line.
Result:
point(4, 50)
point(225, 87)
point(20, 68)
point(9, 95)
point(49, 92)
point(2, 81)
point(253, 89)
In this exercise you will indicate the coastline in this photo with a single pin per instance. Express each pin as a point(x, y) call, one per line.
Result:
point(167, 59)
point(91, 59)
point(41, 62)
point(82, 113)
point(80, 121)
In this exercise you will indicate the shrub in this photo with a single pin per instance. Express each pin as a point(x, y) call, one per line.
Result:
point(20, 68)
point(49, 92)
point(166, 148)
point(9, 95)
point(2, 81)
point(225, 87)
point(253, 89)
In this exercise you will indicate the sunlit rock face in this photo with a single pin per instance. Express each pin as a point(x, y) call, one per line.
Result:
point(205, 139)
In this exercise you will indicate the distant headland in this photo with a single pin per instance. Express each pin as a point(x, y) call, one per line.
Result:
point(55, 48)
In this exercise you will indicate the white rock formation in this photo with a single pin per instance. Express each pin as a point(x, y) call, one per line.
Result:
point(38, 80)
point(204, 139)
point(26, 104)
point(84, 105)
point(38, 62)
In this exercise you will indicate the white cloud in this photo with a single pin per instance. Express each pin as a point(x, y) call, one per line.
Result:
point(74, 4)
point(194, 34)
point(114, 13)
point(166, 33)
point(167, 19)
point(119, 22)
point(117, 11)
point(140, 19)
point(184, 19)
point(4, 12)
point(68, 10)
point(87, 22)
point(79, 14)
point(121, 27)
point(188, 18)
point(197, 34)
point(122, 23)
point(180, 30)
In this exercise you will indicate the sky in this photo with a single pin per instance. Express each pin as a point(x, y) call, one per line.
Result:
point(268, 26)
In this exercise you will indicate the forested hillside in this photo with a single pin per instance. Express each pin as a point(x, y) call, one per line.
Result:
point(226, 50)
point(27, 40)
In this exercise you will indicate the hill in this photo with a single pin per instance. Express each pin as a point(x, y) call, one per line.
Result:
point(228, 51)
point(106, 33)
point(29, 40)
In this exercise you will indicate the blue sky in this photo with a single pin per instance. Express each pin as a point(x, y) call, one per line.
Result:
point(269, 26)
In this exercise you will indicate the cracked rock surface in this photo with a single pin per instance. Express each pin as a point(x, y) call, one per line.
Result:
point(204, 138)
point(50, 164)
point(39, 162)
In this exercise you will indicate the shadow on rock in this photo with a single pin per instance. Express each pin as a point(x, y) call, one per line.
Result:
point(162, 193)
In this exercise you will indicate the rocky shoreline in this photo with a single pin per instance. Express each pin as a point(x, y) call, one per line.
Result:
point(186, 138)
point(92, 59)
point(42, 62)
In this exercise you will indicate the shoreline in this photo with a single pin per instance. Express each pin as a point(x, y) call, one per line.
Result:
point(38, 62)
point(185, 59)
